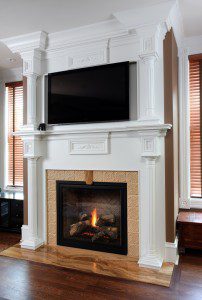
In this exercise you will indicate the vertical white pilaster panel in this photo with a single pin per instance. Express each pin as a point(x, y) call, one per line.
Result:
point(31, 99)
point(146, 89)
point(30, 236)
point(184, 129)
point(150, 252)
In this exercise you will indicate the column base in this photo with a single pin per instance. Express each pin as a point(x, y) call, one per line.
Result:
point(28, 242)
point(151, 260)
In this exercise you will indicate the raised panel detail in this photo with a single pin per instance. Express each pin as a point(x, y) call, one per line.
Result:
point(89, 145)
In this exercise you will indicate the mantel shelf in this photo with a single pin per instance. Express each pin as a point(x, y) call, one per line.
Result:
point(127, 126)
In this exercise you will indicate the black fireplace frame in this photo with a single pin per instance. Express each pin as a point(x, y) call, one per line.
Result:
point(123, 248)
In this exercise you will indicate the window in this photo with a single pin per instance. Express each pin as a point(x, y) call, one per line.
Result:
point(195, 126)
point(14, 93)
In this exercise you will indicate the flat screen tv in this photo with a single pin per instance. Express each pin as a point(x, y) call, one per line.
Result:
point(93, 94)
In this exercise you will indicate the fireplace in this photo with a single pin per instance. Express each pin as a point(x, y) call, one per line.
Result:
point(92, 216)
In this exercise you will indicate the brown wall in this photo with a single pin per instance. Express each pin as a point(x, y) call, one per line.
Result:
point(25, 160)
point(171, 140)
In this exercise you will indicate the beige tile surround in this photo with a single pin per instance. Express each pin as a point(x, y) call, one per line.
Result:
point(131, 178)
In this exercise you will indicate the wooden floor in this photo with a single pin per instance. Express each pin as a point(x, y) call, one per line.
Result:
point(21, 280)
point(113, 265)
point(8, 239)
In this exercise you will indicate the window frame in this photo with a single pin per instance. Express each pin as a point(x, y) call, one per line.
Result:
point(9, 187)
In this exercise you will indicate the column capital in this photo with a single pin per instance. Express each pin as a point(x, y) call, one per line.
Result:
point(150, 142)
point(32, 63)
point(151, 37)
point(33, 148)
point(30, 47)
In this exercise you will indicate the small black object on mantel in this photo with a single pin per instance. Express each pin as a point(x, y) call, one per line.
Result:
point(42, 127)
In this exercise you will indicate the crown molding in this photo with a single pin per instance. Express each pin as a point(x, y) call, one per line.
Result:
point(130, 25)
point(175, 22)
point(145, 16)
point(158, 17)
point(85, 34)
point(27, 42)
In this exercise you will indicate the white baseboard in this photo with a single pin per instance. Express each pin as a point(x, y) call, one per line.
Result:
point(171, 252)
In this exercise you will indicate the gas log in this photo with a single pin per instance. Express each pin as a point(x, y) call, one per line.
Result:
point(79, 227)
point(110, 232)
point(104, 227)
point(106, 220)
point(84, 217)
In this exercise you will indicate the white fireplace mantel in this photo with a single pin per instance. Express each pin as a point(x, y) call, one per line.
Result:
point(136, 145)
point(125, 126)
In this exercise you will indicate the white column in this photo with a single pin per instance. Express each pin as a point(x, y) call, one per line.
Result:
point(146, 68)
point(31, 70)
point(30, 238)
point(184, 136)
point(151, 257)
point(32, 151)
point(152, 197)
point(31, 100)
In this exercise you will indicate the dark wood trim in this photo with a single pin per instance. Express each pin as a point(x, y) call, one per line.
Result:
point(200, 63)
point(13, 84)
point(171, 151)
point(25, 171)
point(195, 57)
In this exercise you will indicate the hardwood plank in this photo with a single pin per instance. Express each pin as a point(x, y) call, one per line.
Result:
point(8, 239)
point(112, 265)
point(21, 279)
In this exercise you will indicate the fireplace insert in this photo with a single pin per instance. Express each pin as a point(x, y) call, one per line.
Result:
point(92, 216)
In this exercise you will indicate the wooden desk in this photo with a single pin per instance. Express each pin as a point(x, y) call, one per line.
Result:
point(189, 228)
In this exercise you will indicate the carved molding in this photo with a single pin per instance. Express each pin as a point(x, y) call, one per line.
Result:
point(94, 144)
point(32, 147)
point(150, 142)
point(92, 58)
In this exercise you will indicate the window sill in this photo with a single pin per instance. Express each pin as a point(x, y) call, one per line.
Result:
point(13, 189)
point(196, 203)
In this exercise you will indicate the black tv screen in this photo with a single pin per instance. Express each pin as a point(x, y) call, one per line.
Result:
point(93, 94)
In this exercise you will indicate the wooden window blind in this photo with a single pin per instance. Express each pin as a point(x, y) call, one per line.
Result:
point(15, 144)
point(195, 127)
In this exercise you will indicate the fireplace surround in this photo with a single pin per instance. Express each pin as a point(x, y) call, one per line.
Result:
point(92, 216)
point(120, 182)
point(125, 148)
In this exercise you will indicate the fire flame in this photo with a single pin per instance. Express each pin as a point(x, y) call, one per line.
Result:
point(94, 218)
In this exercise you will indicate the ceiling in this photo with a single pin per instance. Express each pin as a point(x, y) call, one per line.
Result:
point(192, 16)
point(23, 16)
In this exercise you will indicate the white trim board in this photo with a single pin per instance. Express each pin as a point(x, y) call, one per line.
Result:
point(196, 203)
point(171, 252)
